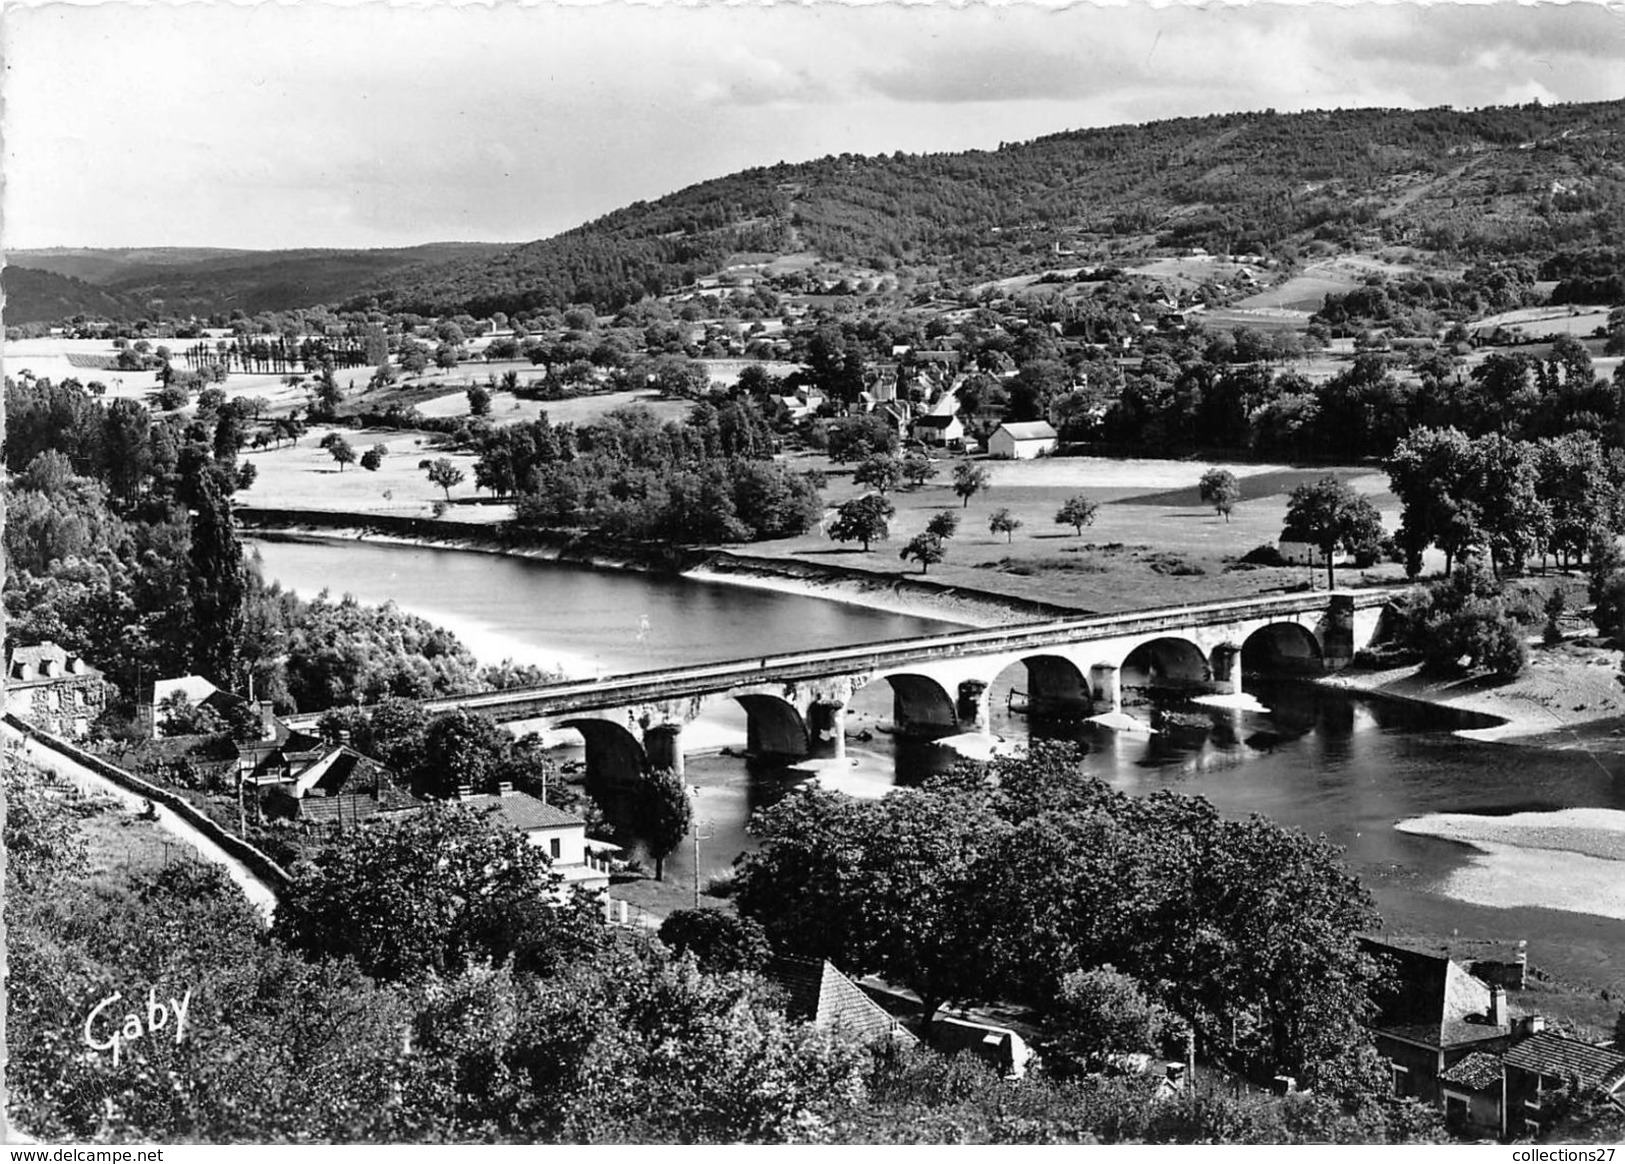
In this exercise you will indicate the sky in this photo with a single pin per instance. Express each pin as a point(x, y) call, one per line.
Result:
point(372, 124)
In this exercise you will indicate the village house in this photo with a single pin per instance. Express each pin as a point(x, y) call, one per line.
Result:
point(1544, 1070)
point(1022, 442)
point(54, 690)
point(938, 431)
point(582, 863)
point(1432, 1015)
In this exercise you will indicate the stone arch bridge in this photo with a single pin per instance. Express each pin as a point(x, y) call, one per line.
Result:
point(795, 703)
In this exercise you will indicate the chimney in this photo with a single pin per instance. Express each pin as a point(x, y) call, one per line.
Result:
point(504, 787)
point(1532, 1024)
point(1498, 1006)
point(464, 791)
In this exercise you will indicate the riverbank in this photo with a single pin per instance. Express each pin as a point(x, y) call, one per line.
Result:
point(915, 597)
point(1569, 689)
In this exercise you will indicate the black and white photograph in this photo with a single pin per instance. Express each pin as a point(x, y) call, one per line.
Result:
point(834, 574)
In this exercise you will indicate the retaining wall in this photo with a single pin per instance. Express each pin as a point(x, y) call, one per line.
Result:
point(268, 872)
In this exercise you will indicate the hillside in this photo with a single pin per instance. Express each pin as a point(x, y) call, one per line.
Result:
point(1525, 181)
point(1533, 182)
point(45, 297)
point(181, 282)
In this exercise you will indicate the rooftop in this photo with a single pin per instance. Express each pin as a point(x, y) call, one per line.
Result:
point(1477, 1072)
point(817, 992)
point(1032, 430)
point(1553, 1055)
point(521, 811)
point(1430, 999)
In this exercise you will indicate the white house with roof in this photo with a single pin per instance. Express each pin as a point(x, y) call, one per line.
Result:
point(562, 835)
point(1022, 442)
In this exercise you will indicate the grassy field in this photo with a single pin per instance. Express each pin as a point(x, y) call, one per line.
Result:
point(1153, 541)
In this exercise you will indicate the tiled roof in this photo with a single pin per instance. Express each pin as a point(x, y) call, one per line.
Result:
point(818, 993)
point(1476, 1072)
point(1429, 999)
point(523, 812)
point(1552, 1055)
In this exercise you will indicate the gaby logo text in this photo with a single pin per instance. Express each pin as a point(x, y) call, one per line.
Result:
point(104, 1033)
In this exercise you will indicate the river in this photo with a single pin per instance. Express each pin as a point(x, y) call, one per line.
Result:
point(1317, 760)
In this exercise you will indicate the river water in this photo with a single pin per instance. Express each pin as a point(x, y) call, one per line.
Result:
point(1312, 759)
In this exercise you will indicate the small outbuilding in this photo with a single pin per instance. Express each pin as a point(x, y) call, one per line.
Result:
point(1022, 442)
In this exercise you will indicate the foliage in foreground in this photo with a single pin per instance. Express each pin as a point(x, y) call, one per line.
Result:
point(463, 1033)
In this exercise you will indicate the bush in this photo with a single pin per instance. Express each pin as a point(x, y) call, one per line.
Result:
point(1267, 554)
point(1463, 625)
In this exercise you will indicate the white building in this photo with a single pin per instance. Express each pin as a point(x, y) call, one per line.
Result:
point(1022, 442)
point(562, 836)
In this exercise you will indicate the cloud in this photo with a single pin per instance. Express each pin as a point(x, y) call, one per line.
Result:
point(741, 76)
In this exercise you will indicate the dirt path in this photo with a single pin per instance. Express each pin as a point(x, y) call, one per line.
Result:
point(258, 893)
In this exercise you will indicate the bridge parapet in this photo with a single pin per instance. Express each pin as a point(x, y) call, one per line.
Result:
point(834, 675)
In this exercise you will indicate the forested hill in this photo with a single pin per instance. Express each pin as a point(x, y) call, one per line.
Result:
point(179, 282)
point(1530, 180)
point(45, 297)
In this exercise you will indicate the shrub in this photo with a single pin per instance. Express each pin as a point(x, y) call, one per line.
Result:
point(1267, 554)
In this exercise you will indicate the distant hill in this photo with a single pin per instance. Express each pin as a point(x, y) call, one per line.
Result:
point(202, 281)
point(46, 297)
point(1530, 181)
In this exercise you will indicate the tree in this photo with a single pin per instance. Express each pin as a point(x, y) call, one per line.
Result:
point(969, 480)
point(876, 886)
point(879, 470)
point(863, 519)
point(665, 815)
point(437, 892)
point(720, 941)
point(1003, 521)
point(943, 524)
point(925, 548)
point(1330, 515)
point(445, 474)
point(1100, 1013)
point(1429, 471)
point(219, 584)
point(371, 460)
point(1077, 512)
point(918, 469)
point(340, 450)
point(479, 400)
point(1220, 489)
point(461, 749)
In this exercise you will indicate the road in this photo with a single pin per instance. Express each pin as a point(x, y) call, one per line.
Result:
point(258, 893)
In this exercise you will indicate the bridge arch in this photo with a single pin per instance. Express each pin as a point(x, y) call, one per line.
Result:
point(773, 726)
point(1055, 686)
point(921, 706)
point(616, 763)
point(1166, 662)
point(1282, 646)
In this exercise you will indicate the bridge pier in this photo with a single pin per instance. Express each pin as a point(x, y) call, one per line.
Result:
point(972, 706)
point(1337, 636)
point(828, 722)
point(1227, 668)
point(1107, 680)
point(663, 744)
